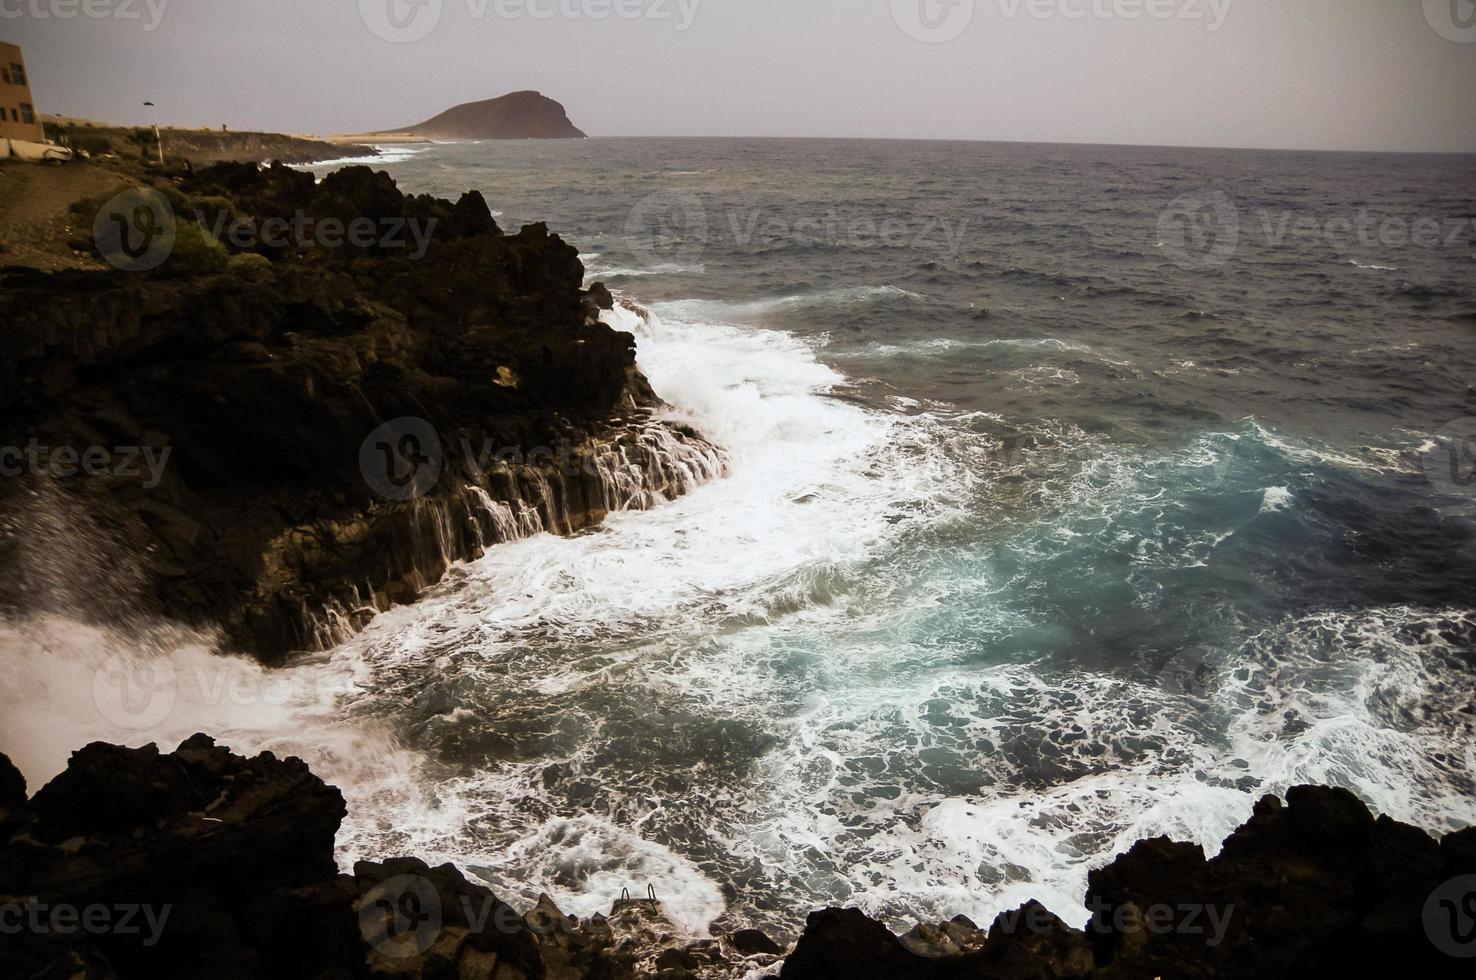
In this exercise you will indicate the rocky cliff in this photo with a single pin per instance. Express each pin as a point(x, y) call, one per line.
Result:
point(296, 403)
point(133, 863)
point(515, 116)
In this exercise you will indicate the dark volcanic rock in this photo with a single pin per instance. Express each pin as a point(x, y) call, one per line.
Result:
point(846, 943)
point(224, 867)
point(231, 862)
point(515, 116)
point(12, 787)
point(1314, 887)
point(474, 359)
point(752, 942)
point(198, 841)
point(433, 922)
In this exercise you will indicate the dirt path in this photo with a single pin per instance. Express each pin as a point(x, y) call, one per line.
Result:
point(37, 227)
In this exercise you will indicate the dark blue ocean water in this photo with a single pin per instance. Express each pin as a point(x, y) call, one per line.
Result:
point(1078, 494)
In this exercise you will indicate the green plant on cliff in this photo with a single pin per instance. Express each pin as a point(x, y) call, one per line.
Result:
point(249, 265)
point(195, 252)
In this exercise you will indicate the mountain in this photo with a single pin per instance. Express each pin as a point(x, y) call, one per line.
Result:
point(516, 116)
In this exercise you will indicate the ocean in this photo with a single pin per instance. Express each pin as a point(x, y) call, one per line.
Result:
point(1077, 495)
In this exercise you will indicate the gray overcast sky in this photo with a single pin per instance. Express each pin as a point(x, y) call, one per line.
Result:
point(1320, 74)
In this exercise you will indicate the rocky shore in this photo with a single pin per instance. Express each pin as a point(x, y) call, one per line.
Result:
point(294, 404)
point(134, 863)
point(203, 146)
point(276, 407)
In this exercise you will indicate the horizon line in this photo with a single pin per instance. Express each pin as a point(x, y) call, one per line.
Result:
point(303, 134)
point(1038, 142)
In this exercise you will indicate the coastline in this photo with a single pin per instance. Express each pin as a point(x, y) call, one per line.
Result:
point(348, 305)
point(201, 146)
point(528, 407)
point(1314, 885)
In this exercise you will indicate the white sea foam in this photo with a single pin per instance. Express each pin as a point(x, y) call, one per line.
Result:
point(596, 271)
point(1275, 499)
point(945, 346)
point(389, 153)
point(788, 670)
point(724, 311)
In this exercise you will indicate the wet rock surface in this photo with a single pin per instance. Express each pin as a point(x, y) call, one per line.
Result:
point(135, 863)
point(196, 863)
point(1315, 886)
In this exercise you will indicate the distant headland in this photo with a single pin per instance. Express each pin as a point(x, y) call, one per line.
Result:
point(516, 116)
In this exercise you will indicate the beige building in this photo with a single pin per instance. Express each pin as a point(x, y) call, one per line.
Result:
point(19, 119)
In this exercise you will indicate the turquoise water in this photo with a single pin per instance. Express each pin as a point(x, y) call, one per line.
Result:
point(1052, 523)
point(1076, 495)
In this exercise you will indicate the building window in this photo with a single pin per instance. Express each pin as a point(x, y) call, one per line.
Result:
point(17, 74)
point(15, 115)
point(5, 75)
point(28, 114)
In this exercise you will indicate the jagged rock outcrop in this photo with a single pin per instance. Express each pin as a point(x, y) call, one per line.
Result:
point(298, 426)
point(227, 864)
point(223, 867)
point(1313, 887)
point(203, 863)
